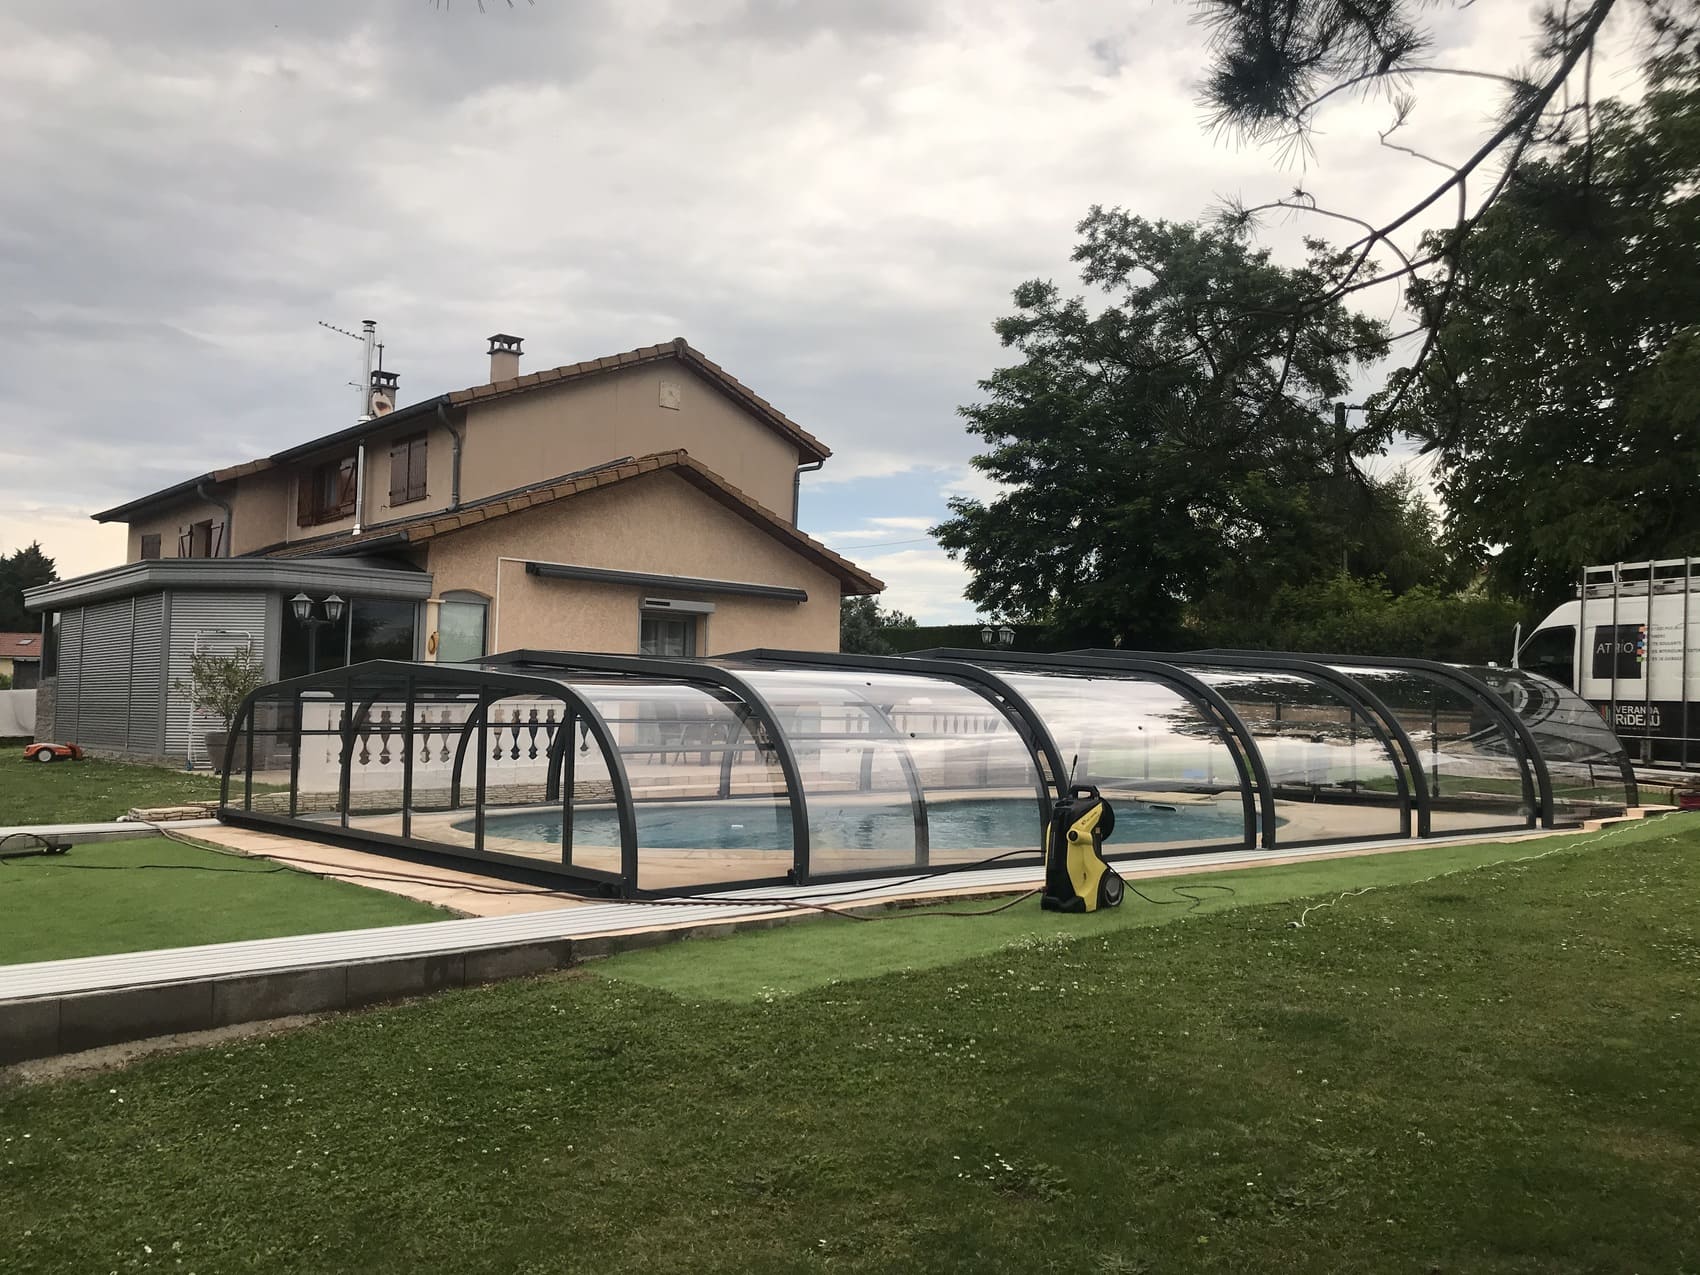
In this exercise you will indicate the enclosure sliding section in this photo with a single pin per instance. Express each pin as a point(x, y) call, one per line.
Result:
point(1339, 766)
point(904, 770)
point(1591, 773)
point(1172, 754)
point(415, 757)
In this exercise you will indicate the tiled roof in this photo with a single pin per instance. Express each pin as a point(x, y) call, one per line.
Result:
point(678, 348)
point(20, 646)
point(428, 526)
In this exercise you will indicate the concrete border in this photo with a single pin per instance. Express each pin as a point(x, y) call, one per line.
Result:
point(44, 1027)
point(348, 970)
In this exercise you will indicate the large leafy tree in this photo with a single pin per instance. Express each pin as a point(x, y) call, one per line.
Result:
point(19, 570)
point(1567, 417)
point(1170, 448)
point(1274, 67)
point(862, 624)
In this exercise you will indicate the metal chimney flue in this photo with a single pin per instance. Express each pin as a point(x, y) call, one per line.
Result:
point(504, 357)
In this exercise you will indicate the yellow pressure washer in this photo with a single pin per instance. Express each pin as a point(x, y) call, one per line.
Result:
point(1076, 877)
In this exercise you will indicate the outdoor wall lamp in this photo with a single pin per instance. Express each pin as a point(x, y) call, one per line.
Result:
point(1003, 635)
point(302, 606)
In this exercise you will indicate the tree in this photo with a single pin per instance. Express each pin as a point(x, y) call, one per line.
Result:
point(22, 569)
point(1568, 422)
point(1168, 447)
point(219, 683)
point(1274, 66)
point(861, 622)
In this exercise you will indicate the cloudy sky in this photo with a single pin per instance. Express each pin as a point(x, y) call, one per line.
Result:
point(831, 198)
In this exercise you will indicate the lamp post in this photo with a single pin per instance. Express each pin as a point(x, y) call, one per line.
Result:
point(305, 615)
point(1003, 635)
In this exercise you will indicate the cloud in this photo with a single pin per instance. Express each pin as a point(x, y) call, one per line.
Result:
point(833, 198)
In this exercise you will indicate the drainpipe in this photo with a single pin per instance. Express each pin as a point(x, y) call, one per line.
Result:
point(797, 486)
point(454, 466)
point(359, 485)
point(229, 518)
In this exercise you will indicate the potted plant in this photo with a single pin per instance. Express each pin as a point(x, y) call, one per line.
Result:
point(218, 684)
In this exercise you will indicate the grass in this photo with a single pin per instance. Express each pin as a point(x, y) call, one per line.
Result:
point(1493, 1071)
point(99, 899)
point(818, 952)
point(90, 791)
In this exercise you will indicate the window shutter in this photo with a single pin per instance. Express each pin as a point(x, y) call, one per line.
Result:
point(185, 541)
point(215, 540)
point(345, 478)
point(304, 511)
point(399, 485)
point(416, 469)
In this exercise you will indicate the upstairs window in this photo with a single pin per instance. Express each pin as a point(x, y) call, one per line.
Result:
point(203, 539)
point(326, 492)
point(150, 546)
point(407, 470)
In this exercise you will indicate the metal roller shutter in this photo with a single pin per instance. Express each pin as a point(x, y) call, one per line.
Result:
point(221, 622)
point(147, 668)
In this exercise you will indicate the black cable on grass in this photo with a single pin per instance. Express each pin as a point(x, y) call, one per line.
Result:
point(833, 908)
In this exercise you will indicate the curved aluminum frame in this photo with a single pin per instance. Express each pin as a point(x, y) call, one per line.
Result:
point(406, 677)
point(689, 671)
point(1015, 706)
point(1537, 781)
point(1247, 760)
point(1381, 718)
point(1564, 695)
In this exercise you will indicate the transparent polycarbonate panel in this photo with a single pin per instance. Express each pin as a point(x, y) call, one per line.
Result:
point(519, 755)
point(265, 747)
point(902, 769)
point(1586, 760)
point(709, 794)
point(1164, 766)
point(318, 778)
point(378, 760)
point(1469, 763)
point(1330, 774)
point(442, 743)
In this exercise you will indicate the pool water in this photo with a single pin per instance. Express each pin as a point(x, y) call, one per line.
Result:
point(985, 823)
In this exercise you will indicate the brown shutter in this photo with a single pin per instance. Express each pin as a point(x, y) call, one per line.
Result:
point(215, 540)
point(398, 474)
point(305, 515)
point(416, 469)
point(345, 480)
point(186, 542)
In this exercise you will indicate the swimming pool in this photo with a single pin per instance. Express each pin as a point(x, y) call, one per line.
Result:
point(981, 823)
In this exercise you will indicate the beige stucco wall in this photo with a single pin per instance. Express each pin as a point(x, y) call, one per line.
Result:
point(547, 432)
point(658, 524)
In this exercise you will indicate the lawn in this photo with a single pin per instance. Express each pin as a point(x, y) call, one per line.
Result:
point(1492, 1071)
point(127, 896)
point(90, 791)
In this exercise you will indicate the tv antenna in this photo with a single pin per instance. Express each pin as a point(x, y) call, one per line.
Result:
point(368, 338)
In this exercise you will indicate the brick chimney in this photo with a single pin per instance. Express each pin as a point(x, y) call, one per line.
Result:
point(504, 357)
point(382, 400)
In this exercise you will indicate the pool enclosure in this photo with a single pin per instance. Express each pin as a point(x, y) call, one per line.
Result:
point(626, 775)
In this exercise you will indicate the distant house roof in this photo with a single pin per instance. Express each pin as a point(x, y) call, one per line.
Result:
point(404, 532)
point(20, 646)
point(810, 447)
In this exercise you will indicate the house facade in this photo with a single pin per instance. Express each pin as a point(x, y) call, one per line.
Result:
point(644, 503)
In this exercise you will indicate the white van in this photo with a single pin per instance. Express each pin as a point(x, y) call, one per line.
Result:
point(1630, 645)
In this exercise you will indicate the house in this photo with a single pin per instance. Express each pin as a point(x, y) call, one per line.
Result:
point(20, 659)
point(643, 503)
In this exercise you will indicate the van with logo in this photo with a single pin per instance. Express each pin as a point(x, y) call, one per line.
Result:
point(1630, 645)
